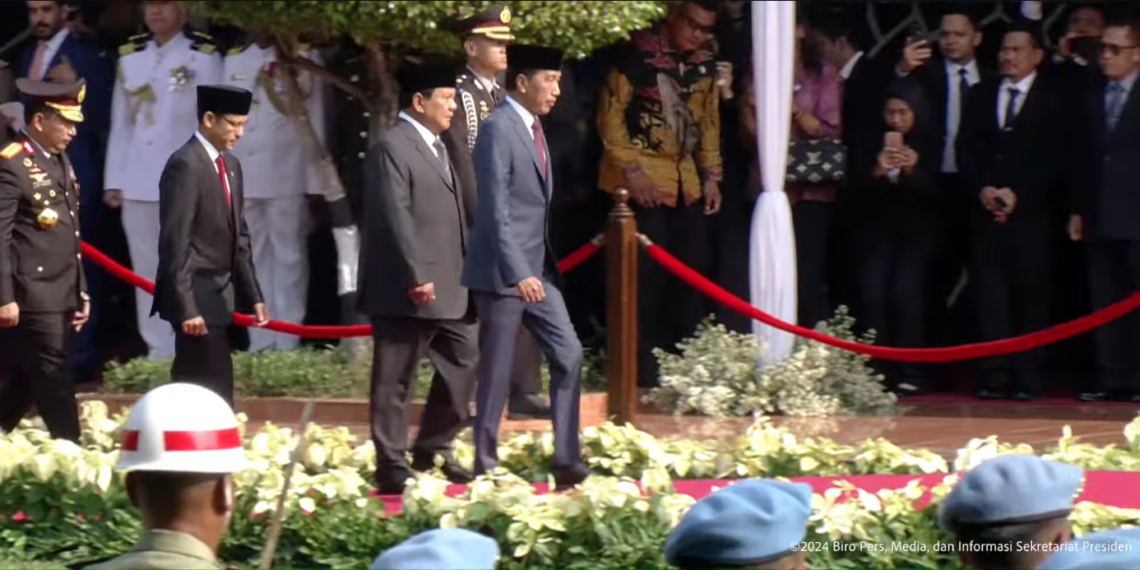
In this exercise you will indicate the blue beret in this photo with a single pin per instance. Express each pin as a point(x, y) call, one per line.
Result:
point(749, 522)
point(1017, 488)
point(1117, 549)
point(441, 549)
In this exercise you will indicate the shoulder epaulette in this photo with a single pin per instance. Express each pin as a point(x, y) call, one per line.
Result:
point(134, 44)
point(202, 42)
point(237, 49)
point(11, 150)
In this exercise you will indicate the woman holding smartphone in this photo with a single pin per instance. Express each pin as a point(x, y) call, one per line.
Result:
point(895, 216)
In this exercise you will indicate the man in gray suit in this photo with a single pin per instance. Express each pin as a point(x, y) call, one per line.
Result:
point(511, 267)
point(411, 258)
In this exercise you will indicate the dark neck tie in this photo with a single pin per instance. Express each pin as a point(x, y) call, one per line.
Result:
point(963, 88)
point(441, 153)
point(1114, 104)
point(539, 144)
point(1011, 109)
point(225, 183)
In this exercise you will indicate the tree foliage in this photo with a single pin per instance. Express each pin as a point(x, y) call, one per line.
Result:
point(577, 27)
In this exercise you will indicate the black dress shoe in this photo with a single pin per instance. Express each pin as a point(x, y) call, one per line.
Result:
point(392, 481)
point(528, 407)
point(1024, 395)
point(566, 478)
point(992, 394)
point(450, 468)
point(1093, 397)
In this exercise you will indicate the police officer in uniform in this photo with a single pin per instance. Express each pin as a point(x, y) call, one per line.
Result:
point(184, 493)
point(43, 289)
point(485, 37)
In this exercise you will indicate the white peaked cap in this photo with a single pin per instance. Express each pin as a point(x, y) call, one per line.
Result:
point(183, 428)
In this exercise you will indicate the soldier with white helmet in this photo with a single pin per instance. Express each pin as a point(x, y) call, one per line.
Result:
point(180, 445)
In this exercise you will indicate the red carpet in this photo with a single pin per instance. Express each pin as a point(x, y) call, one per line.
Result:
point(1100, 487)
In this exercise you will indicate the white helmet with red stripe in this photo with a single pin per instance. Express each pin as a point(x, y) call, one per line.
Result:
point(182, 427)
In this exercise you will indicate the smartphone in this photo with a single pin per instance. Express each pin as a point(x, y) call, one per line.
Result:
point(892, 139)
point(915, 33)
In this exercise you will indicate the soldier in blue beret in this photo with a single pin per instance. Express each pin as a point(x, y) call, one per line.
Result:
point(1117, 549)
point(752, 524)
point(1011, 511)
point(441, 549)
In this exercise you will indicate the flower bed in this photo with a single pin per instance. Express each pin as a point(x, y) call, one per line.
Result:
point(64, 503)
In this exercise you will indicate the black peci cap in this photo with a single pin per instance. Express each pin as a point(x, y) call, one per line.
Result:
point(223, 100)
point(416, 78)
point(534, 57)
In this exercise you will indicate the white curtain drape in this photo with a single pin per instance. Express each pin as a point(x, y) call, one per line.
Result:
point(772, 248)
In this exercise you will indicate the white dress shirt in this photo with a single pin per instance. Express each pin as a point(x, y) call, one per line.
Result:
point(954, 107)
point(429, 137)
point(1022, 87)
point(210, 149)
point(527, 116)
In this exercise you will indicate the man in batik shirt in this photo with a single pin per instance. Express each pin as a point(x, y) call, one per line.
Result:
point(659, 118)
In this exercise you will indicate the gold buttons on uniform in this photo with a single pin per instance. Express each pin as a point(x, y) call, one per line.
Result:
point(360, 155)
point(363, 134)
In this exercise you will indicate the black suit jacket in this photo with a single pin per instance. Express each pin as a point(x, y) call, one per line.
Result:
point(863, 94)
point(413, 230)
point(1029, 158)
point(936, 84)
point(1106, 166)
point(205, 268)
point(40, 266)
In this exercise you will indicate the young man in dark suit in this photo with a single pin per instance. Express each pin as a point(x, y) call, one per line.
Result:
point(205, 267)
point(43, 288)
point(947, 80)
point(1012, 158)
point(511, 267)
point(414, 237)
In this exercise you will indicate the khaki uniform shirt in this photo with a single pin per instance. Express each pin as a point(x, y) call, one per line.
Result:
point(164, 550)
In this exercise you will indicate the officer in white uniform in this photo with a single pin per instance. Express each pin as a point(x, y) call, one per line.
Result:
point(281, 166)
point(153, 113)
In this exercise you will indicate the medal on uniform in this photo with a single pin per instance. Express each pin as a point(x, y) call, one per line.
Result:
point(48, 219)
point(27, 162)
point(37, 196)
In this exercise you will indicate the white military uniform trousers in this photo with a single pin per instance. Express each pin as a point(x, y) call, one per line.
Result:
point(141, 226)
point(278, 229)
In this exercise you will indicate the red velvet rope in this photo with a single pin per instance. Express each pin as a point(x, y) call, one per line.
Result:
point(111, 266)
point(945, 354)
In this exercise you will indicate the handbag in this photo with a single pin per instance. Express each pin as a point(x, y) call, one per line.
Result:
point(813, 161)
